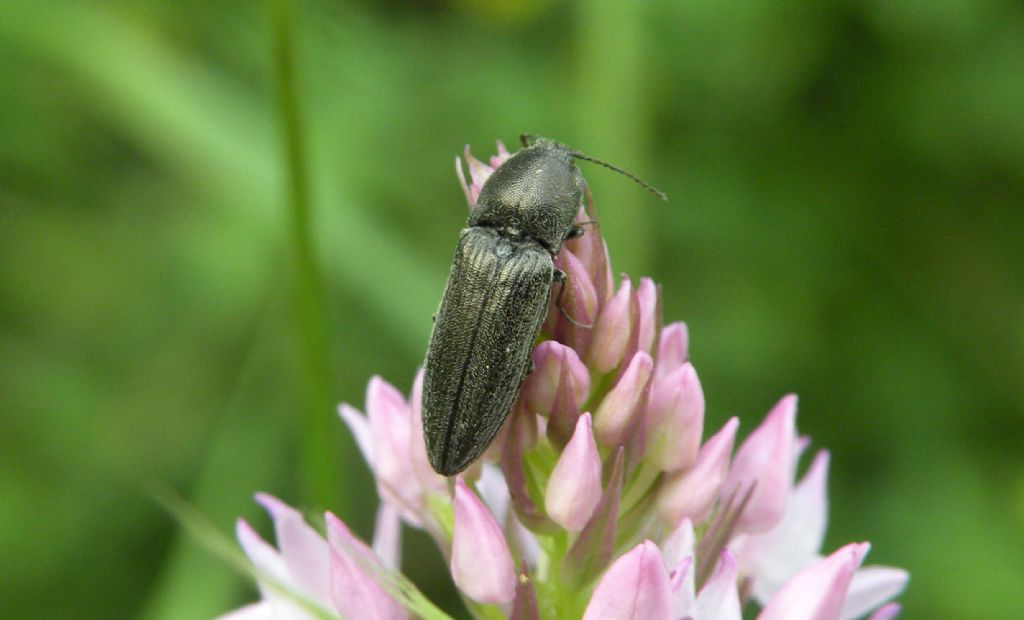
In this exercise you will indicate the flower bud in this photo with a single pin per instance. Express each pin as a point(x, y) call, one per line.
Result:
point(481, 563)
point(635, 587)
point(672, 349)
point(611, 331)
point(647, 321)
point(578, 301)
point(542, 386)
point(574, 488)
point(675, 420)
point(691, 493)
point(615, 415)
point(592, 252)
point(765, 463)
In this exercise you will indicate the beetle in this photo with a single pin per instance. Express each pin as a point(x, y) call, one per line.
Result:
point(496, 298)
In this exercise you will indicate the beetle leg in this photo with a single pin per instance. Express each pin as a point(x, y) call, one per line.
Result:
point(559, 276)
point(575, 231)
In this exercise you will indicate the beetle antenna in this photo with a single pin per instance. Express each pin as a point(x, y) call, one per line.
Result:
point(644, 184)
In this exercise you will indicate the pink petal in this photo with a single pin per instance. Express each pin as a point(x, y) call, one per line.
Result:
point(616, 413)
point(873, 585)
point(679, 545)
point(818, 591)
point(360, 427)
point(481, 563)
point(502, 156)
point(574, 487)
point(719, 599)
point(672, 349)
point(678, 553)
point(635, 587)
point(887, 612)
point(387, 536)
point(478, 170)
point(684, 599)
point(269, 563)
point(611, 331)
point(466, 189)
point(354, 591)
point(766, 463)
point(675, 420)
point(391, 428)
point(263, 556)
point(303, 550)
point(692, 493)
point(647, 296)
point(769, 559)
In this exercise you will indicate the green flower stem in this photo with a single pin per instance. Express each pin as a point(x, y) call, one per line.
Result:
point(319, 475)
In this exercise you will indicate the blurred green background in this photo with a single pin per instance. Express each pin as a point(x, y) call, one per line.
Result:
point(846, 222)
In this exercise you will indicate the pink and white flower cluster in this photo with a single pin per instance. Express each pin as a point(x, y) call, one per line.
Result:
point(598, 500)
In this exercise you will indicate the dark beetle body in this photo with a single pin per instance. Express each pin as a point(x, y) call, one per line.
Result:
point(495, 301)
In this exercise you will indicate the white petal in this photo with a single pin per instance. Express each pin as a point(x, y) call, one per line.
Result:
point(387, 536)
point(872, 586)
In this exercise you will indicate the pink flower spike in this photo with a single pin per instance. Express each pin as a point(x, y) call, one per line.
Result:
point(672, 349)
point(616, 413)
point(647, 297)
point(303, 550)
point(635, 587)
point(481, 562)
point(691, 493)
point(574, 487)
point(611, 331)
point(675, 420)
point(354, 591)
point(765, 462)
point(818, 591)
point(541, 388)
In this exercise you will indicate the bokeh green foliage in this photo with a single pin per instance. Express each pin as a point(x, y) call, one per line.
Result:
point(846, 222)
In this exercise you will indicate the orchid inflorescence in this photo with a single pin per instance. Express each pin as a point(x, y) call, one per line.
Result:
point(598, 499)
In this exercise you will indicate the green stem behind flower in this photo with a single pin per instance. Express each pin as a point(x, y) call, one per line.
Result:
point(319, 475)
